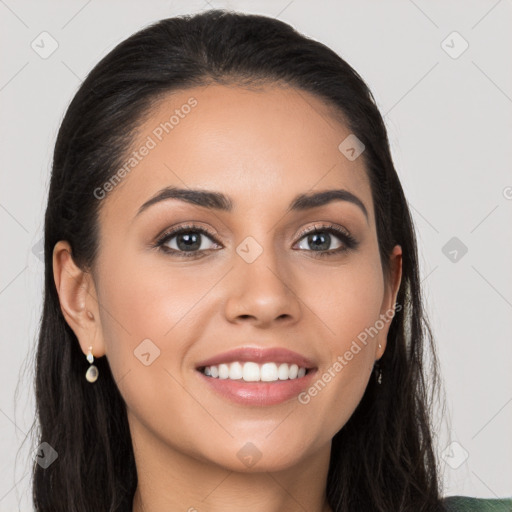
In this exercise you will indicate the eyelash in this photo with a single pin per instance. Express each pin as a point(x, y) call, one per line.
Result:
point(348, 240)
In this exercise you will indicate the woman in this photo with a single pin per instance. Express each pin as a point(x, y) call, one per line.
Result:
point(232, 315)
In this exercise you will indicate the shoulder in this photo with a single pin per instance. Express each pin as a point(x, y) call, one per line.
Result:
point(467, 504)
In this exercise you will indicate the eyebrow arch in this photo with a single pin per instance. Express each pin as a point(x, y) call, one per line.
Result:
point(218, 201)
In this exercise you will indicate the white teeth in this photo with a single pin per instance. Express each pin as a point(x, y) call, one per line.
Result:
point(269, 372)
point(253, 372)
point(223, 371)
point(235, 371)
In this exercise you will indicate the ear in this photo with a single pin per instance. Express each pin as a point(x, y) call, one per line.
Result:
point(388, 304)
point(78, 299)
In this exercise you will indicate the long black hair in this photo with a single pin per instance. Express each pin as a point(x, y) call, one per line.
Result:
point(383, 458)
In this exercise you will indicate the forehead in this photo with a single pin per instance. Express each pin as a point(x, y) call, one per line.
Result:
point(261, 147)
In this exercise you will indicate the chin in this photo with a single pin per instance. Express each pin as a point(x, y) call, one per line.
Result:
point(258, 457)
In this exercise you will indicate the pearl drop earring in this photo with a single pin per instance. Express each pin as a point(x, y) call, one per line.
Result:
point(92, 373)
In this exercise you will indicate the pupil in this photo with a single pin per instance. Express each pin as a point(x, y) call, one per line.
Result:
point(322, 245)
point(190, 241)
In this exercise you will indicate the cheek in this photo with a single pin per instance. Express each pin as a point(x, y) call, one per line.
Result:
point(353, 303)
point(148, 298)
point(351, 310)
point(148, 321)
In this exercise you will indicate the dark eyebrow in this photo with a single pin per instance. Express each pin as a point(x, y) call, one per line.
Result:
point(307, 201)
point(221, 202)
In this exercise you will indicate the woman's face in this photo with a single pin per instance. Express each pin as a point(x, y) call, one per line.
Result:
point(257, 282)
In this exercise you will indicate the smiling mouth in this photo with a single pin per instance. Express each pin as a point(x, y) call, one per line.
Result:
point(250, 371)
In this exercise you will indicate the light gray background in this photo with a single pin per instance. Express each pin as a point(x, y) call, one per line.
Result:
point(449, 122)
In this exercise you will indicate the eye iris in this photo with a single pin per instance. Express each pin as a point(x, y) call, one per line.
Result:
point(313, 238)
point(191, 241)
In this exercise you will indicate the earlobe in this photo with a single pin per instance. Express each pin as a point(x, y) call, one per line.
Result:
point(78, 304)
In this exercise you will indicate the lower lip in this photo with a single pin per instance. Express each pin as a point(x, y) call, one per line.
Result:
point(258, 393)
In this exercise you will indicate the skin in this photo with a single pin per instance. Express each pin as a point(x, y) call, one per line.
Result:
point(262, 148)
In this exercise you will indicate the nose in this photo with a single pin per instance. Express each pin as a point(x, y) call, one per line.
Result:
point(261, 291)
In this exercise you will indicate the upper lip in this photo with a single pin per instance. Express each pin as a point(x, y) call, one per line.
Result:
point(259, 355)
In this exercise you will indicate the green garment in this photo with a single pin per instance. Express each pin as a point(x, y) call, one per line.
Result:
point(466, 504)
